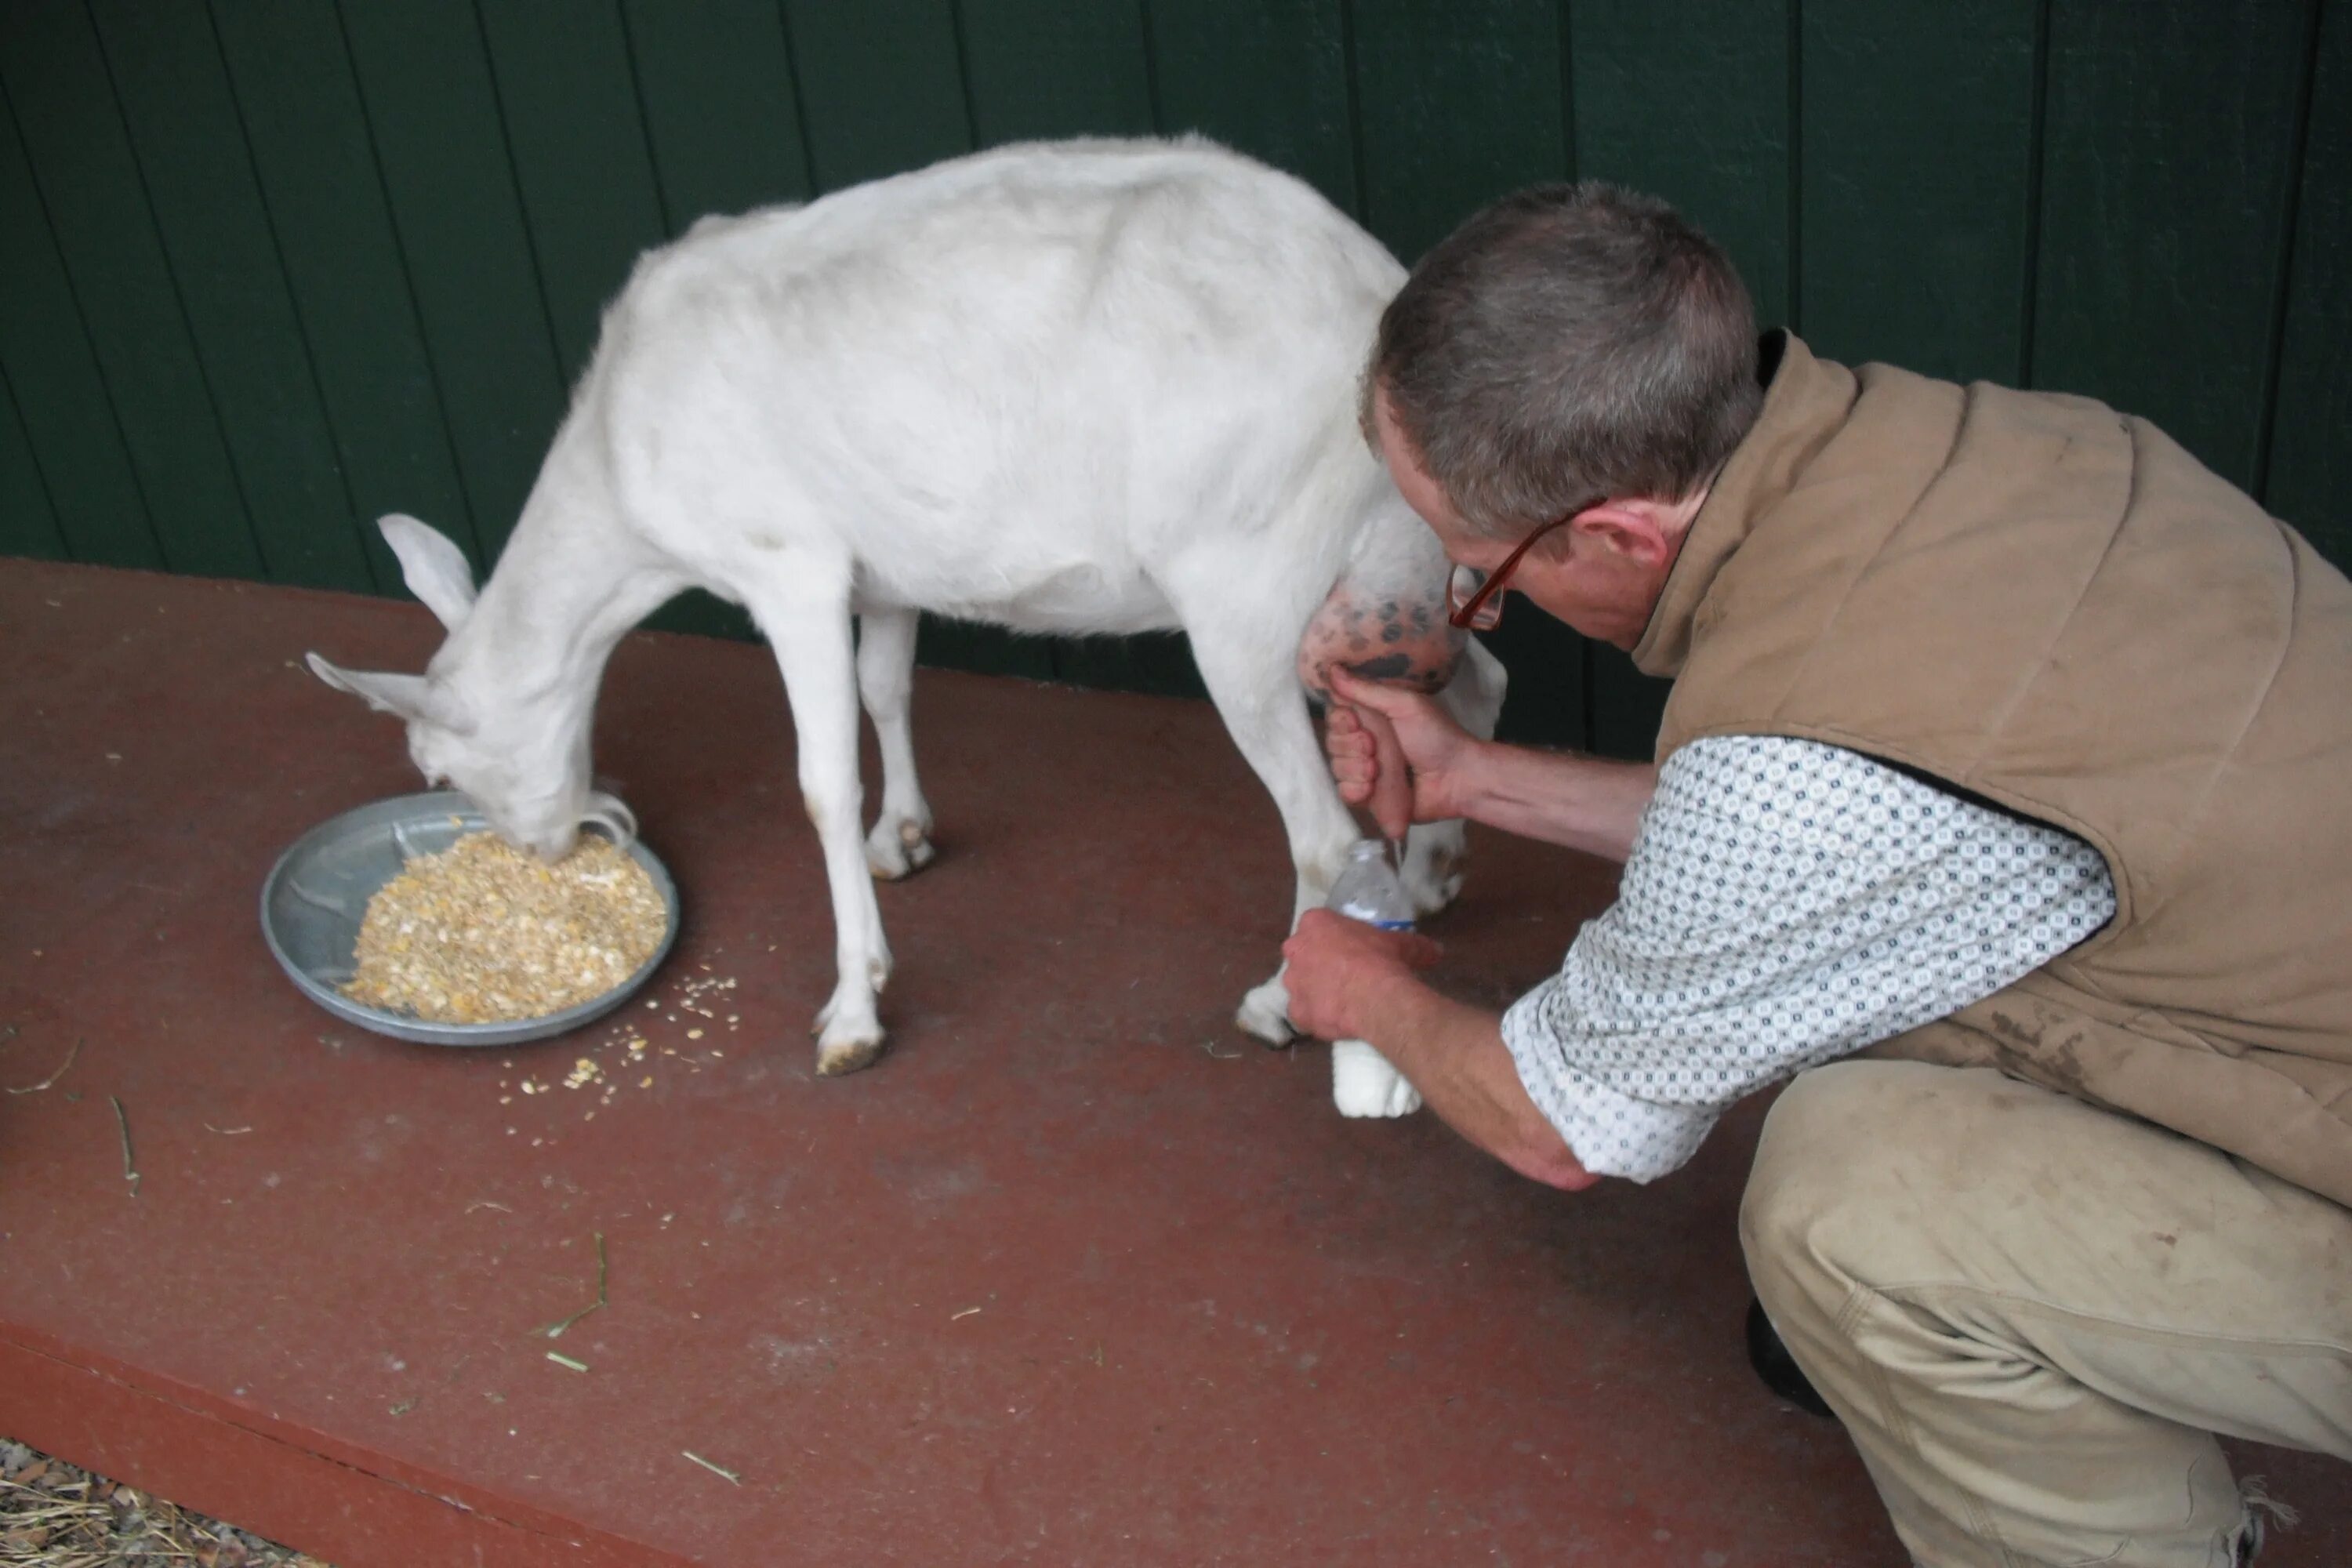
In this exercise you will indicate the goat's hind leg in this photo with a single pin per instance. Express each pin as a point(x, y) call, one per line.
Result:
point(1252, 675)
point(806, 618)
point(900, 843)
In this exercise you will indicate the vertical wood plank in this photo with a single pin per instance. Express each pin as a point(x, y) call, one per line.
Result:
point(309, 136)
point(590, 198)
point(68, 421)
point(1695, 101)
point(1916, 149)
point(589, 194)
point(167, 68)
point(1458, 104)
point(2310, 479)
point(1037, 70)
point(90, 187)
point(1689, 100)
point(945, 643)
point(1550, 702)
point(881, 86)
point(1158, 663)
point(1268, 78)
point(2169, 126)
point(423, 80)
point(28, 524)
point(1042, 68)
point(720, 104)
point(1626, 705)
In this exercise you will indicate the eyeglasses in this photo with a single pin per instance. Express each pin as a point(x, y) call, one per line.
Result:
point(1476, 597)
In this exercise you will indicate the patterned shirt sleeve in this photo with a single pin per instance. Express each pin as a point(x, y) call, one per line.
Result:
point(1786, 904)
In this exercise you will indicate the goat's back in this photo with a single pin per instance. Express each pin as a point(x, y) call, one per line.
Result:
point(1005, 368)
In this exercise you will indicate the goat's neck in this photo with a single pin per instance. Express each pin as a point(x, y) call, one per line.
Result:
point(533, 651)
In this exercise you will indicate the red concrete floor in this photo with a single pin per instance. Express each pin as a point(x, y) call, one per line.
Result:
point(1076, 1275)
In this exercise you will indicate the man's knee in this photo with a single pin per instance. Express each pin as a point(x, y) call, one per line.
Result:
point(1828, 1182)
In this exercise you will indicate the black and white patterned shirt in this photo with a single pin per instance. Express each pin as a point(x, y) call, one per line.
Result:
point(1786, 904)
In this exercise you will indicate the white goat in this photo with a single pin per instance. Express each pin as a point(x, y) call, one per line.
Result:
point(1085, 387)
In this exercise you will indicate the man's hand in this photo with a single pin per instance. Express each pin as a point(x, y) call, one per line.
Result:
point(1339, 968)
point(1382, 739)
point(1349, 980)
point(1398, 751)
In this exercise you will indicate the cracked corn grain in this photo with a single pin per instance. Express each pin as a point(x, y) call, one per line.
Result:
point(484, 934)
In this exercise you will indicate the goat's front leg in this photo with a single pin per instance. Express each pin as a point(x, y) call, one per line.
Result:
point(1251, 676)
point(808, 625)
point(900, 843)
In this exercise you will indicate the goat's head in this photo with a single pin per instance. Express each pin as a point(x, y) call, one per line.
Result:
point(503, 736)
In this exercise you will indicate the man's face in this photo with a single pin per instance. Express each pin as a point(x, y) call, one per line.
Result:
point(1583, 575)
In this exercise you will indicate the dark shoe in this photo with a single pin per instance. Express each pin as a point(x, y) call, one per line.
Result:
point(2250, 1543)
point(1777, 1367)
point(2262, 1510)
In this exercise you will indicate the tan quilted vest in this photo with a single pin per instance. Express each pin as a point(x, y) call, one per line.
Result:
point(2053, 607)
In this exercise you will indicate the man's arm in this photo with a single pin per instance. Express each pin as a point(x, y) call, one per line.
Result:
point(1353, 981)
point(1791, 903)
point(1584, 803)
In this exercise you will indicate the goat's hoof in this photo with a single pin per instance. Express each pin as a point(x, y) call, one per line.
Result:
point(834, 1057)
point(1431, 898)
point(1265, 1012)
point(1435, 863)
point(894, 853)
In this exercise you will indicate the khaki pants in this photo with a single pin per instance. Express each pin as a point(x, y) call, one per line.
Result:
point(2032, 1314)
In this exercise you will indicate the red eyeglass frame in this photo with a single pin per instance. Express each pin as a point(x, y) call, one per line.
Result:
point(1473, 614)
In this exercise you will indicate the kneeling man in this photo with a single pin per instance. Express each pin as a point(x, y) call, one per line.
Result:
point(2003, 795)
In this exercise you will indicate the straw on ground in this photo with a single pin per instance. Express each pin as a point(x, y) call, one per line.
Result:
point(129, 1171)
point(555, 1329)
point(714, 1470)
point(36, 1087)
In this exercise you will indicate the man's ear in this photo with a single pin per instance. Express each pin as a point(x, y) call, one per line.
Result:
point(405, 696)
point(1627, 528)
point(434, 567)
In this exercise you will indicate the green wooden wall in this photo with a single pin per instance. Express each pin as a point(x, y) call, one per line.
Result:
point(271, 268)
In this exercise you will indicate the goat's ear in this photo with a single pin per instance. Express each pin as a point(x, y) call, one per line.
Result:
point(405, 696)
point(435, 567)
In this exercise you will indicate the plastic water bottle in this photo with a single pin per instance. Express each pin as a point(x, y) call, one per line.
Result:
point(1369, 890)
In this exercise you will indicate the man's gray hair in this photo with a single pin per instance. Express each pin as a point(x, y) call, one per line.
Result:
point(1568, 343)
